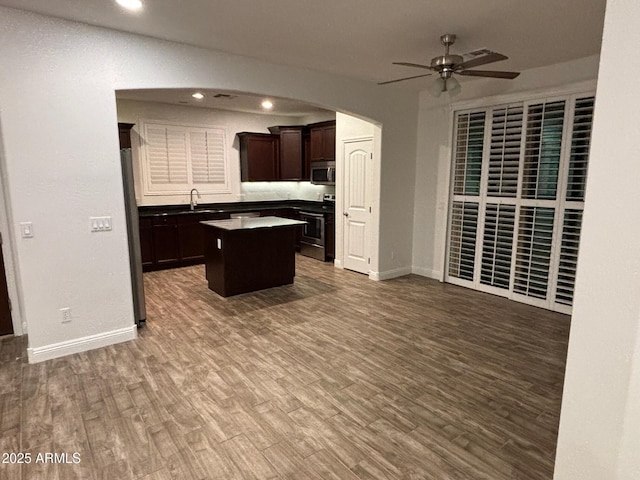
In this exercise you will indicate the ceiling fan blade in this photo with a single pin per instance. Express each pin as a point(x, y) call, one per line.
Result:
point(489, 73)
point(417, 65)
point(403, 79)
point(476, 62)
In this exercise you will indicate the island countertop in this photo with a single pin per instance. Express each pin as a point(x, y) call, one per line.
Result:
point(252, 223)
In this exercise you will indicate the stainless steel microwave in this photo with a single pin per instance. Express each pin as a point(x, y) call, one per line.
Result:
point(323, 173)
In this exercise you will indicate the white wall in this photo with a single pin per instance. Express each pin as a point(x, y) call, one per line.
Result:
point(599, 434)
point(58, 117)
point(131, 111)
point(434, 145)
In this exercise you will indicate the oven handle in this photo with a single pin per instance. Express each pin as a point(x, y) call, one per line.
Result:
point(309, 214)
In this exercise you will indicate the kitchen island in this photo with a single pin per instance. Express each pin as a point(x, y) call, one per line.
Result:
point(247, 254)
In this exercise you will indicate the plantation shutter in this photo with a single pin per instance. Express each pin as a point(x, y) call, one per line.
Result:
point(574, 205)
point(504, 156)
point(468, 156)
point(533, 259)
point(542, 150)
point(167, 156)
point(571, 226)
point(208, 156)
point(497, 245)
point(580, 144)
point(176, 159)
point(469, 149)
point(462, 243)
point(516, 207)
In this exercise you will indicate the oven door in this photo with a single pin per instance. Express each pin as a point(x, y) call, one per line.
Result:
point(312, 239)
point(313, 231)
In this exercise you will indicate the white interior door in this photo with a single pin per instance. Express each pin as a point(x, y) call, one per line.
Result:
point(358, 160)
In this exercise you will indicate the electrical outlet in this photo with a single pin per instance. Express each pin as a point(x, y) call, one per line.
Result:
point(66, 315)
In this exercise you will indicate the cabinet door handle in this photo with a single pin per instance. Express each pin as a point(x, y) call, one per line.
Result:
point(346, 214)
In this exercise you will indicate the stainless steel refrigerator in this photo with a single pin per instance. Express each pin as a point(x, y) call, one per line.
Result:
point(133, 232)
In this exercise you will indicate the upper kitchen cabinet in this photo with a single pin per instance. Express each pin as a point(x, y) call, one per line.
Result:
point(322, 141)
point(124, 133)
point(291, 161)
point(259, 157)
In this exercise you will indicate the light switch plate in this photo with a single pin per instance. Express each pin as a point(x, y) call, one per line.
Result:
point(26, 229)
point(100, 224)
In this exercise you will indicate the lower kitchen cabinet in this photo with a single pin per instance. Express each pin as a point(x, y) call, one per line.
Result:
point(330, 236)
point(170, 241)
point(146, 242)
point(191, 237)
point(165, 240)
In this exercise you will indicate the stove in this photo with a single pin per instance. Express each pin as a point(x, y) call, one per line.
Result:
point(313, 242)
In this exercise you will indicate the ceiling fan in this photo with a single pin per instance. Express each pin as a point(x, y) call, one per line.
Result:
point(448, 64)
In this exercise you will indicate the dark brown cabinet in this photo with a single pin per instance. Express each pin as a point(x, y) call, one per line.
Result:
point(169, 241)
point(330, 236)
point(322, 142)
point(124, 133)
point(191, 237)
point(165, 239)
point(146, 242)
point(291, 153)
point(259, 157)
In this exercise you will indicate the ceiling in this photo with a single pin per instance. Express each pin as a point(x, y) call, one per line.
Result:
point(357, 38)
point(222, 100)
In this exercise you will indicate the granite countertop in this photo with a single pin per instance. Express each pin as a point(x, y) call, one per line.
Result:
point(252, 223)
point(300, 205)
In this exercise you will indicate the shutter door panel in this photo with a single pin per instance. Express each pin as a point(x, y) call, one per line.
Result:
point(516, 205)
point(533, 258)
point(462, 240)
point(208, 156)
point(166, 155)
point(568, 256)
point(580, 144)
point(497, 245)
point(543, 146)
point(504, 156)
point(468, 153)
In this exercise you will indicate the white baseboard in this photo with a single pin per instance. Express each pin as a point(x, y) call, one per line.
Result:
point(77, 345)
point(427, 272)
point(388, 274)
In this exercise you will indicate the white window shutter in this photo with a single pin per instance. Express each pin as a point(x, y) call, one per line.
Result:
point(166, 155)
point(468, 153)
point(462, 240)
point(178, 158)
point(570, 242)
point(504, 154)
point(533, 259)
point(208, 157)
point(518, 185)
point(497, 245)
point(543, 146)
point(580, 144)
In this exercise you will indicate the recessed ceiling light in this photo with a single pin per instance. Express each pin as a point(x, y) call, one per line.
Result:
point(130, 4)
point(267, 104)
point(198, 96)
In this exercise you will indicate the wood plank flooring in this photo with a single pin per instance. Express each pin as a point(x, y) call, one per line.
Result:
point(334, 377)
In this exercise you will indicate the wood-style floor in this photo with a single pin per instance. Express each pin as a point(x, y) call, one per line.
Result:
point(334, 377)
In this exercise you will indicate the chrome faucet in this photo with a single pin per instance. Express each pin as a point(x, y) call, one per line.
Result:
point(192, 201)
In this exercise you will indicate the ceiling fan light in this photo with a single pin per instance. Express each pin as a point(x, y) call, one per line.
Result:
point(438, 86)
point(453, 86)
